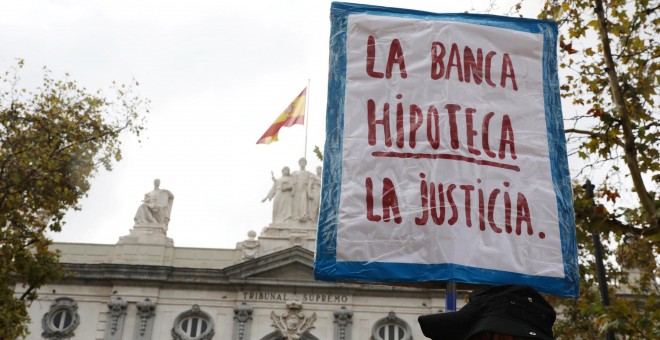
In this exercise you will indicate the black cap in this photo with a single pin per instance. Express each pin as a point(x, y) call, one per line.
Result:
point(515, 310)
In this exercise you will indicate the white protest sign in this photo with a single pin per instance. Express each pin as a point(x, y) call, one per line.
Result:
point(445, 157)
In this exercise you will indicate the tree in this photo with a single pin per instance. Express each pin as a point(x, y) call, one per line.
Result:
point(609, 53)
point(52, 142)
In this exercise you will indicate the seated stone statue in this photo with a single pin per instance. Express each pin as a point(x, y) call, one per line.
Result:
point(155, 208)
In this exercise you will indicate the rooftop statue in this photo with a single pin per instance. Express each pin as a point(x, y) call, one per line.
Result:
point(296, 195)
point(282, 195)
point(301, 195)
point(156, 207)
point(314, 195)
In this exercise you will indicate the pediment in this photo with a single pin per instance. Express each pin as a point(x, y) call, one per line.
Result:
point(295, 263)
point(294, 271)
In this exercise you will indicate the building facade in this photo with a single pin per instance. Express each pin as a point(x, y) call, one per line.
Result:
point(143, 287)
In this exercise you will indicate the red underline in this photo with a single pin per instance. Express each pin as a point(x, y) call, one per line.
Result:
point(446, 156)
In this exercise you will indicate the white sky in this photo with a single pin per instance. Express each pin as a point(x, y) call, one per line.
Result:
point(217, 74)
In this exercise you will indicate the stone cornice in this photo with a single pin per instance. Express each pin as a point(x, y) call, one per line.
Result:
point(171, 277)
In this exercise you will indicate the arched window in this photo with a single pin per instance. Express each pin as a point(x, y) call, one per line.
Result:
point(61, 319)
point(193, 324)
point(391, 328)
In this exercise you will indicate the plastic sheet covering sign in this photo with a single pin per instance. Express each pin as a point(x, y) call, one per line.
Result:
point(445, 158)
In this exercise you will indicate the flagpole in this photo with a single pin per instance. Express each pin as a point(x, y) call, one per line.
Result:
point(306, 118)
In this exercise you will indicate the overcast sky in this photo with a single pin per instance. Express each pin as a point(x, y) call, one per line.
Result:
point(217, 74)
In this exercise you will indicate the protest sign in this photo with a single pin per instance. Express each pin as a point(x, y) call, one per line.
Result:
point(445, 157)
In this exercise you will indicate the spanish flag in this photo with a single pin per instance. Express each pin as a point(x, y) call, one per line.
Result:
point(294, 114)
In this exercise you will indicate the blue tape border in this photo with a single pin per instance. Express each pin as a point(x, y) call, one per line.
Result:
point(326, 266)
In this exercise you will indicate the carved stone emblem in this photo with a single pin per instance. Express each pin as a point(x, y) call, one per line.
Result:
point(293, 323)
point(250, 246)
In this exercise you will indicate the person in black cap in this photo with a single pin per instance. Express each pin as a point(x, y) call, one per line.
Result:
point(508, 312)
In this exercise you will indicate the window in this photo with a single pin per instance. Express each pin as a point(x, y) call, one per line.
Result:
point(61, 319)
point(391, 332)
point(193, 324)
point(391, 328)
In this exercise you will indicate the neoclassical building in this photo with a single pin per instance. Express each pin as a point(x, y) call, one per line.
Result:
point(143, 287)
